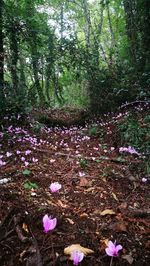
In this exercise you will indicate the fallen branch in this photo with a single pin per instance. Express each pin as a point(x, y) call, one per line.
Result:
point(133, 103)
point(68, 155)
point(145, 213)
point(118, 160)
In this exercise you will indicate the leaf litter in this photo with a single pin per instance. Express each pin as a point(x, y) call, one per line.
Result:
point(98, 200)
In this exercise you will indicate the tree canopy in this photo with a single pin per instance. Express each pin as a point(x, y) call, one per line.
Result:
point(73, 52)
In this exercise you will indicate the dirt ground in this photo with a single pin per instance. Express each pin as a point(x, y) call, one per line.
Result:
point(102, 197)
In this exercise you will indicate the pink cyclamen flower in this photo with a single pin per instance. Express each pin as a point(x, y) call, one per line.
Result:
point(48, 223)
point(27, 152)
point(23, 159)
point(34, 160)
point(144, 180)
point(54, 187)
point(8, 154)
point(112, 249)
point(2, 163)
point(26, 163)
point(77, 256)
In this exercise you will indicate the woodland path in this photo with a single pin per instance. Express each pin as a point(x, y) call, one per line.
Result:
point(94, 176)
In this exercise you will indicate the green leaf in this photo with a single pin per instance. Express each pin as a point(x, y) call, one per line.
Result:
point(26, 172)
point(30, 185)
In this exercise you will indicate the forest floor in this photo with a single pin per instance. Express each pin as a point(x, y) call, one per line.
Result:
point(103, 196)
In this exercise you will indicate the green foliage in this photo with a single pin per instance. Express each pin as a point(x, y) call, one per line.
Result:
point(92, 131)
point(98, 56)
point(83, 162)
point(26, 172)
point(37, 127)
point(30, 185)
point(136, 132)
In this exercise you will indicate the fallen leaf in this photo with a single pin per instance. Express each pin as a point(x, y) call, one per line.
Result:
point(25, 227)
point(107, 212)
point(114, 196)
point(105, 241)
point(83, 182)
point(74, 247)
point(104, 179)
point(123, 206)
point(129, 258)
point(119, 227)
point(83, 215)
point(51, 203)
point(103, 244)
point(90, 189)
point(70, 221)
point(61, 204)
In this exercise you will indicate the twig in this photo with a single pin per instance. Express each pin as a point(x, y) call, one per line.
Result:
point(133, 103)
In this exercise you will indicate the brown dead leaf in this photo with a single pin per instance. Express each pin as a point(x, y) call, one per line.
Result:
point(107, 212)
point(97, 212)
point(114, 196)
point(84, 182)
point(104, 179)
point(61, 204)
point(90, 189)
point(70, 221)
point(51, 203)
point(123, 206)
point(71, 248)
point(25, 227)
point(83, 215)
point(103, 244)
point(129, 258)
point(119, 227)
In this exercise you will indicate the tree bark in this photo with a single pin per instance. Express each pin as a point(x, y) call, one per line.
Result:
point(2, 96)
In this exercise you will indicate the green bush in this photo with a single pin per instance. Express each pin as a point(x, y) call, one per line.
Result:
point(136, 132)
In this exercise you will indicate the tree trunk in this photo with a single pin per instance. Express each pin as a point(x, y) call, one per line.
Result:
point(2, 96)
point(14, 56)
point(131, 28)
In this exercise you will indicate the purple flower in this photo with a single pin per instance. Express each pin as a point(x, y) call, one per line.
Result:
point(2, 163)
point(77, 256)
point(27, 152)
point(112, 249)
point(48, 223)
point(26, 163)
point(34, 160)
point(54, 187)
point(144, 180)
point(23, 159)
point(8, 154)
point(130, 150)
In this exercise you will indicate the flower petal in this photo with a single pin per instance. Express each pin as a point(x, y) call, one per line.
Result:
point(118, 247)
point(109, 252)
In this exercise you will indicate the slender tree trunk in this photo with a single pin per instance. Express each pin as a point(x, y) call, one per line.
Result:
point(113, 43)
point(33, 43)
point(2, 96)
point(36, 75)
point(14, 56)
point(131, 28)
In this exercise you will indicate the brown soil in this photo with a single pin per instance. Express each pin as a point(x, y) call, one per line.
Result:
point(93, 179)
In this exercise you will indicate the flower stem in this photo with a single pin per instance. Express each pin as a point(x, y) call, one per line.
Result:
point(111, 261)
